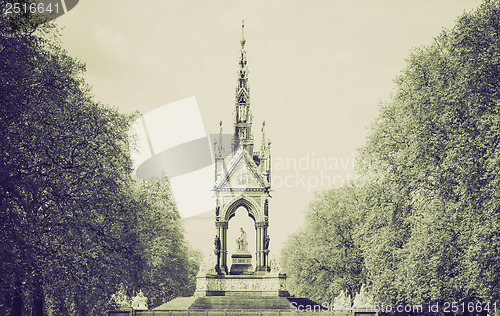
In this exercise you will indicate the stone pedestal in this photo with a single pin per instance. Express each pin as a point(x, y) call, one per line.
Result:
point(241, 285)
point(225, 292)
point(242, 263)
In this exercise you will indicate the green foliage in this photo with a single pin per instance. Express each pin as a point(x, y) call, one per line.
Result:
point(324, 257)
point(74, 224)
point(434, 152)
point(171, 266)
point(424, 222)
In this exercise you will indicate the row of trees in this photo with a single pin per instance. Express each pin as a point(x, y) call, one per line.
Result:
point(74, 223)
point(423, 223)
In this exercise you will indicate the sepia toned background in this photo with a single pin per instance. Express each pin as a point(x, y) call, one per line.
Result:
point(317, 72)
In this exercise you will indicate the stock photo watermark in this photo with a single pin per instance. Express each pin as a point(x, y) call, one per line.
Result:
point(313, 172)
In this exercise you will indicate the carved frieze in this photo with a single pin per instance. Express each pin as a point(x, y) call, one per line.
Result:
point(274, 283)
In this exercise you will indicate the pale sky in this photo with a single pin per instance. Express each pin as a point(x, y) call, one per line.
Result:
point(318, 69)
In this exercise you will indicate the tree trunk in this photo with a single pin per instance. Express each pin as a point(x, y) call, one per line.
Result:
point(37, 308)
point(17, 304)
point(17, 299)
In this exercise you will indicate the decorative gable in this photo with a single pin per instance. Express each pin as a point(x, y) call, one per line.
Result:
point(241, 172)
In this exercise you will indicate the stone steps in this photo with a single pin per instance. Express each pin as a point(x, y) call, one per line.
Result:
point(234, 303)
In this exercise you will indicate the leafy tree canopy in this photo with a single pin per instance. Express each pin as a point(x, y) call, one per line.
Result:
point(324, 257)
point(74, 223)
point(428, 219)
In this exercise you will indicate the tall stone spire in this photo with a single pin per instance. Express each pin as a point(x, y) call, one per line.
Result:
point(243, 117)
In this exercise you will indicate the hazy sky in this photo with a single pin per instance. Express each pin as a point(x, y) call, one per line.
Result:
point(318, 69)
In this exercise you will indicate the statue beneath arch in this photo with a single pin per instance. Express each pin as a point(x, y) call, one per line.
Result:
point(242, 259)
point(242, 241)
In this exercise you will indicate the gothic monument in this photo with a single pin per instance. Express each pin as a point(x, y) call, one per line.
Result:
point(242, 179)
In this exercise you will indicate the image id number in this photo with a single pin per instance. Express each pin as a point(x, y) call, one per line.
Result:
point(34, 8)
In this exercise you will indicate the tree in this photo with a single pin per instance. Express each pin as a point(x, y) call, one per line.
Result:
point(426, 211)
point(64, 167)
point(324, 257)
point(73, 219)
point(434, 153)
point(170, 264)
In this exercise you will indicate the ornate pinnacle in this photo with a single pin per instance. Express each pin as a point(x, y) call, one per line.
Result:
point(220, 149)
point(263, 145)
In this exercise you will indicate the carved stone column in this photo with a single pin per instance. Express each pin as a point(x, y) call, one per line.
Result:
point(261, 234)
point(257, 247)
point(222, 234)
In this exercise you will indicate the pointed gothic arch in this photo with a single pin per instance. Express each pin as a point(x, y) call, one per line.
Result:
point(256, 211)
point(244, 201)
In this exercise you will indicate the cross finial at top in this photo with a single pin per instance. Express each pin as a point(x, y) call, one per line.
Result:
point(243, 41)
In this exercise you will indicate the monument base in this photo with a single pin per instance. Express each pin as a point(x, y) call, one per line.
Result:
point(242, 285)
point(240, 292)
